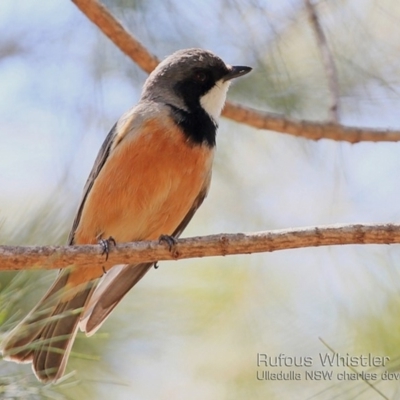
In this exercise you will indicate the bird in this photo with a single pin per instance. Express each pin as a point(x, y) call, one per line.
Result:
point(150, 176)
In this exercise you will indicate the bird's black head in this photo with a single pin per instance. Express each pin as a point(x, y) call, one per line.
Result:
point(194, 83)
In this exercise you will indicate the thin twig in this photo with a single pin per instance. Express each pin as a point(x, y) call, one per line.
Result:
point(355, 371)
point(53, 257)
point(307, 129)
point(327, 60)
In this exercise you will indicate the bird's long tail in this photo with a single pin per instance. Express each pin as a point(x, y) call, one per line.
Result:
point(110, 291)
point(46, 335)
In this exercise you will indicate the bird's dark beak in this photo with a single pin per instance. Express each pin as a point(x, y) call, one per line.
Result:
point(235, 72)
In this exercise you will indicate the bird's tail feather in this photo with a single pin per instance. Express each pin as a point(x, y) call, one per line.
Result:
point(110, 291)
point(46, 335)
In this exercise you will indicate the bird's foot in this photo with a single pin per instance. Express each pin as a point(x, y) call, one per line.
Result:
point(105, 245)
point(169, 240)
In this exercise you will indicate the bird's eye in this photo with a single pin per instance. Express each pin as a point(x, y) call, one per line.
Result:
point(200, 76)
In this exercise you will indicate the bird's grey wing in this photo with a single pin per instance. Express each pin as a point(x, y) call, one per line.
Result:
point(98, 165)
point(120, 279)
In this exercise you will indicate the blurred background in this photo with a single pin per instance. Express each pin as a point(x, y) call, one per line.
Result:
point(192, 329)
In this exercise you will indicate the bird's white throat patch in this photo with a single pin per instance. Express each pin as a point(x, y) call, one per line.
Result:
point(213, 101)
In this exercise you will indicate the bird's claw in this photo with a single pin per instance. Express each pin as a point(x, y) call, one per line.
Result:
point(169, 240)
point(105, 245)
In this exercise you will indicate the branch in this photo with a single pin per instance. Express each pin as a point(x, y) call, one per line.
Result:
point(116, 32)
point(112, 28)
point(307, 129)
point(54, 257)
point(327, 60)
